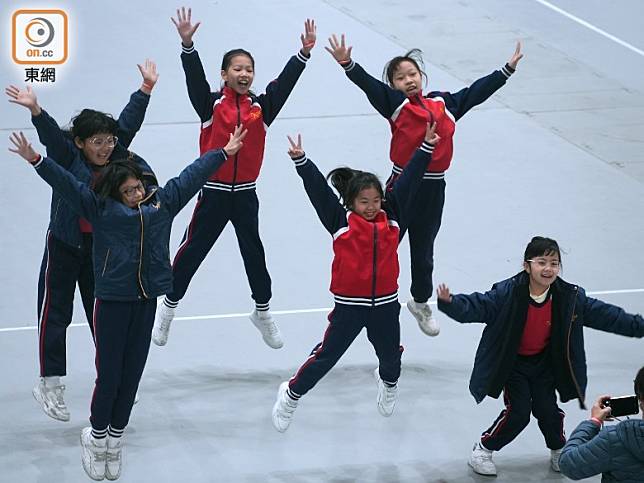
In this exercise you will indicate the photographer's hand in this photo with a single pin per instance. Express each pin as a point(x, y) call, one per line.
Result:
point(600, 412)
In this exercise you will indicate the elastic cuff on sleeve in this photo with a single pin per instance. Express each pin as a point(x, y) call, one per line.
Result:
point(348, 66)
point(428, 148)
point(301, 57)
point(507, 71)
point(188, 50)
point(38, 161)
point(596, 421)
point(299, 161)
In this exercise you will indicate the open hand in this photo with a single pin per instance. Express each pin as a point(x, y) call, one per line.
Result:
point(23, 97)
point(309, 36)
point(295, 151)
point(516, 57)
point(149, 73)
point(340, 52)
point(235, 140)
point(23, 147)
point(443, 293)
point(184, 25)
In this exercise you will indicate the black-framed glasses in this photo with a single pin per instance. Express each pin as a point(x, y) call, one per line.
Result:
point(129, 192)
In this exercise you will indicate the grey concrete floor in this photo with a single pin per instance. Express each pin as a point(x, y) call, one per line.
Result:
point(556, 152)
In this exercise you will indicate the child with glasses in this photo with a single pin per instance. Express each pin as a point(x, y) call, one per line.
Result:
point(131, 267)
point(229, 195)
point(532, 347)
point(400, 100)
point(84, 151)
point(366, 230)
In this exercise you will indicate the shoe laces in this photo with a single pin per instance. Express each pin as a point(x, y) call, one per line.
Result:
point(57, 393)
point(389, 393)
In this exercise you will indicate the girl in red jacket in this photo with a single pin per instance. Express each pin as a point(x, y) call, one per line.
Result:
point(402, 102)
point(366, 230)
point(229, 195)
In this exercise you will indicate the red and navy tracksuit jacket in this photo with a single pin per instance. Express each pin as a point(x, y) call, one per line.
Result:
point(365, 264)
point(408, 116)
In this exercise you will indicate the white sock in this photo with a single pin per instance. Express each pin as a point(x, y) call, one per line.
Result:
point(52, 381)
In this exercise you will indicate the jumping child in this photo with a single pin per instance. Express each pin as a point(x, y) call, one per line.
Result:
point(401, 101)
point(131, 227)
point(229, 195)
point(366, 229)
point(532, 346)
point(84, 151)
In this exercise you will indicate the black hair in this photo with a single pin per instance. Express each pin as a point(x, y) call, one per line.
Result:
point(639, 384)
point(90, 122)
point(349, 182)
point(415, 56)
point(114, 175)
point(228, 57)
point(541, 246)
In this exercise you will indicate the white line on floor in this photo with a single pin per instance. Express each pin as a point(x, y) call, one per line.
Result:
point(299, 311)
point(591, 27)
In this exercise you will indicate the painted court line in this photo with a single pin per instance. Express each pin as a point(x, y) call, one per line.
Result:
point(299, 311)
point(591, 27)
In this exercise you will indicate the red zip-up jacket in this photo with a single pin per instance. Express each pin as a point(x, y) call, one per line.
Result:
point(365, 264)
point(220, 112)
point(408, 116)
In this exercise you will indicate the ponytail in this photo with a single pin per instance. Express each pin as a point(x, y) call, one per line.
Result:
point(349, 182)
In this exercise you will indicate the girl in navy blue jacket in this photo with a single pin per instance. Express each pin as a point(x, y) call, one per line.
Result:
point(401, 101)
point(131, 229)
point(366, 230)
point(229, 195)
point(532, 346)
point(94, 139)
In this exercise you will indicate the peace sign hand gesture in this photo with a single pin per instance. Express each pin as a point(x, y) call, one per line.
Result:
point(309, 36)
point(184, 25)
point(340, 52)
point(295, 151)
point(430, 135)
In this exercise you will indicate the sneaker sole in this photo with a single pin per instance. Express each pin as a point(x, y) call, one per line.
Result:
point(469, 463)
point(43, 406)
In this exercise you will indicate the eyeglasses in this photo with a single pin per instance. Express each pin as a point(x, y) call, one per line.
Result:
point(543, 263)
point(100, 142)
point(129, 192)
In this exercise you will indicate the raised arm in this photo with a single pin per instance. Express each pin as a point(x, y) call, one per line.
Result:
point(278, 90)
point(179, 190)
point(133, 114)
point(461, 102)
point(327, 205)
point(610, 318)
point(464, 308)
point(201, 98)
point(401, 194)
point(59, 146)
point(381, 96)
point(80, 198)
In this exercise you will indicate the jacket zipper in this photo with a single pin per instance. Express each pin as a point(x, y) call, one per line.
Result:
point(572, 373)
point(232, 188)
point(105, 264)
point(141, 254)
point(375, 259)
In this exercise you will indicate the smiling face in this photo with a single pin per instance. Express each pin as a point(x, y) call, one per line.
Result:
point(239, 74)
point(97, 148)
point(407, 78)
point(543, 271)
point(367, 203)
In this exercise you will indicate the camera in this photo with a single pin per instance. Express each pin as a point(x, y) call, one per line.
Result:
point(622, 406)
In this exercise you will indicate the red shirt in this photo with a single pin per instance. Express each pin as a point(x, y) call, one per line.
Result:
point(538, 326)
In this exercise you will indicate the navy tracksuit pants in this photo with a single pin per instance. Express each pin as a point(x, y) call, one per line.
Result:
point(63, 267)
point(424, 217)
point(345, 323)
point(214, 209)
point(122, 332)
point(529, 389)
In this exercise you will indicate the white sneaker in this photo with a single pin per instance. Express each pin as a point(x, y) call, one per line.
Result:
point(481, 461)
point(423, 315)
point(114, 458)
point(283, 409)
point(555, 454)
point(387, 396)
point(51, 400)
point(266, 325)
point(162, 322)
point(93, 454)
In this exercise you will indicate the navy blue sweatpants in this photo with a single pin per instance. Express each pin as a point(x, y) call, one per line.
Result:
point(345, 323)
point(122, 332)
point(425, 215)
point(214, 209)
point(530, 388)
point(63, 267)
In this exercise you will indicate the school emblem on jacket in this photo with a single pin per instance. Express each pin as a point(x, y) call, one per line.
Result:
point(255, 114)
